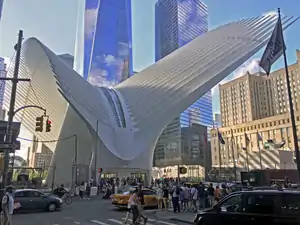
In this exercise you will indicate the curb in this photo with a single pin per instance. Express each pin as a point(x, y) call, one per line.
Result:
point(182, 221)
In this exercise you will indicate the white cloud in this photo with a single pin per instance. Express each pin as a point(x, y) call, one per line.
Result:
point(111, 60)
point(251, 66)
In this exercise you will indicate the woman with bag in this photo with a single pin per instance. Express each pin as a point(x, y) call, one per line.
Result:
point(133, 202)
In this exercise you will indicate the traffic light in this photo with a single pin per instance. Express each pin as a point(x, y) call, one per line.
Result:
point(48, 125)
point(39, 124)
point(182, 170)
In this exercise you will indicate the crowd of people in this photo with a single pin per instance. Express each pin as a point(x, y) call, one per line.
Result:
point(187, 197)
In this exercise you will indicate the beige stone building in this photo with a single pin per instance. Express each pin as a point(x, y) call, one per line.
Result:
point(276, 128)
point(257, 104)
point(253, 97)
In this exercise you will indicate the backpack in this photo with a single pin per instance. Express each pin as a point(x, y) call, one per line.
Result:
point(177, 191)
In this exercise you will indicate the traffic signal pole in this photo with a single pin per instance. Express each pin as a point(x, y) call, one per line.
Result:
point(8, 136)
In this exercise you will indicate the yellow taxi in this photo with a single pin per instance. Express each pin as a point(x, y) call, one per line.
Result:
point(121, 200)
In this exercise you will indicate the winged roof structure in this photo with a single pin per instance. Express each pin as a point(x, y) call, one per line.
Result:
point(123, 123)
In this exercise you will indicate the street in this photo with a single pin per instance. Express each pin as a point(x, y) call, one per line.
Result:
point(85, 212)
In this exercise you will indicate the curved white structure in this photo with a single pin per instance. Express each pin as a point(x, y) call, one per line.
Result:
point(132, 115)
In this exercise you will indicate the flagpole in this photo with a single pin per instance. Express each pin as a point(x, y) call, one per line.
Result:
point(247, 157)
point(292, 114)
point(259, 150)
point(233, 156)
point(220, 160)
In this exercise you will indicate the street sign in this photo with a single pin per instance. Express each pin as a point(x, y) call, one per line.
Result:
point(9, 146)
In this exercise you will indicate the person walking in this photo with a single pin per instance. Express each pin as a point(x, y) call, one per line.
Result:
point(81, 190)
point(217, 194)
point(186, 193)
point(133, 202)
point(211, 195)
point(202, 196)
point(194, 197)
point(160, 195)
point(166, 198)
point(141, 199)
point(175, 198)
point(7, 207)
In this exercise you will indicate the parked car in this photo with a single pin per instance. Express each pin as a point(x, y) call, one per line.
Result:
point(33, 200)
point(278, 207)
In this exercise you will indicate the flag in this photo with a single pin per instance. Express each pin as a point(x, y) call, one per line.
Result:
point(274, 48)
point(221, 140)
point(247, 139)
point(259, 137)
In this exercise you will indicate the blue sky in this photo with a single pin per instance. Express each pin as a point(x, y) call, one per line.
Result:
point(54, 23)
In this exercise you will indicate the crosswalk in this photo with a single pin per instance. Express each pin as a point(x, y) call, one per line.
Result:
point(121, 221)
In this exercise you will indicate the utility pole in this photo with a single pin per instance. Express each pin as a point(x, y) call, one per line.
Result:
point(75, 159)
point(233, 156)
point(8, 136)
point(96, 153)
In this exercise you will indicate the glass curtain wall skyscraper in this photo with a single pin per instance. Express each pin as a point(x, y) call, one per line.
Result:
point(1, 7)
point(106, 51)
point(3, 72)
point(177, 22)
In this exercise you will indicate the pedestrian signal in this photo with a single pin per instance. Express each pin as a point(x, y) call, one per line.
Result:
point(48, 125)
point(182, 170)
point(39, 124)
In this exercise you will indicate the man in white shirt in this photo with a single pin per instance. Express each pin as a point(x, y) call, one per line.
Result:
point(186, 196)
point(194, 197)
point(7, 206)
point(175, 192)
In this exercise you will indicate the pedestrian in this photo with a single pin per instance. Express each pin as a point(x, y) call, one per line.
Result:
point(202, 196)
point(194, 197)
point(186, 193)
point(7, 207)
point(133, 202)
point(141, 199)
point(217, 194)
point(81, 190)
point(211, 195)
point(88, 191)
point(160, 194)
point(175, 198)
point(166, 197)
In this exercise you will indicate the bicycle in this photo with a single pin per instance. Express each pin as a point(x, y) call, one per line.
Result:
point(67, 198)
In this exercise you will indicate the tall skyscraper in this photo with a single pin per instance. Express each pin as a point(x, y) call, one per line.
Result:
point(1, 7)
point(3, 73)
point(177, 22)
point(106, 55)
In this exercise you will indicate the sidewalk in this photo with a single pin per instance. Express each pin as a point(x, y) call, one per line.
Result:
point(183, 217)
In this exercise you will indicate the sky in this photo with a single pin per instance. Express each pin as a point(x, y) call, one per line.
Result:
point(54, 23)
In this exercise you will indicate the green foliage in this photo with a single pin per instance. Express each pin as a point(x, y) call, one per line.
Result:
point(32, 174)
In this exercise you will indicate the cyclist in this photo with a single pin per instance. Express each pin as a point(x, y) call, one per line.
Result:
point(60, 191)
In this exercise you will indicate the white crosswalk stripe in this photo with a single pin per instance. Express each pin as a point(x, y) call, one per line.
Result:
point(161, 222)
point(99, 222)
point(116, 221)
point(129, 221)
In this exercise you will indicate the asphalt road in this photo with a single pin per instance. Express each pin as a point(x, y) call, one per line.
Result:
point(83, 212)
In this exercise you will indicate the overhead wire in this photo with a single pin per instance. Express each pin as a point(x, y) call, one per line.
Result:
point(50, 141)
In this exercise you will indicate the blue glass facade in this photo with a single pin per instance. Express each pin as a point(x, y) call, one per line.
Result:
point(1, 6)
point(107, 42)
point(177, 23)
point(3, 73)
